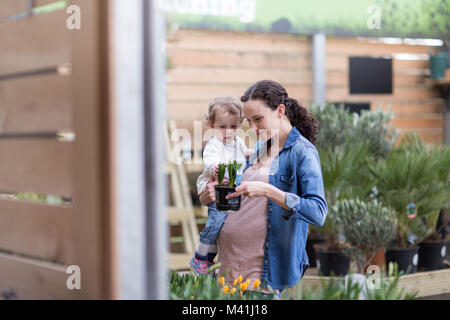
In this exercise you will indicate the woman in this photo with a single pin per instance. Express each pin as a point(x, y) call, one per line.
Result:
point(282, 193)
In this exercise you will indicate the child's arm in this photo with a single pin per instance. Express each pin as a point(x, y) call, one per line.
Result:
point(211, 158)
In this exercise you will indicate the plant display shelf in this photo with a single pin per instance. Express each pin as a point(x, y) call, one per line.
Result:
point(426, 283)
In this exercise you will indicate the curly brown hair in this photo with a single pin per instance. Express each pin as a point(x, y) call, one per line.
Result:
point(274, 94)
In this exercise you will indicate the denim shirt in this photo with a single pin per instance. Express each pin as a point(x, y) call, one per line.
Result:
point(296, 170)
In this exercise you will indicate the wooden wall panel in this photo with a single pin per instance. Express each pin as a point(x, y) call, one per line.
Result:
point(54, 79)
point(31, 279)
point(43, 166)
point(36, 104)
point(26, 47)
point(13, 7)
point(416, 106)
point(36, 230)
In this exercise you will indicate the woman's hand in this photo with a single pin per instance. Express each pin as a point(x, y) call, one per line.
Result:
point(251, 189)
point(209, 193)
point(258, 189)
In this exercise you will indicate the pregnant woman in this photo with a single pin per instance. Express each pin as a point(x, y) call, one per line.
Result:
point(282, 193)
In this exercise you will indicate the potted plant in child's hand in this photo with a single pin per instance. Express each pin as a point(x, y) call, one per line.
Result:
point(222, 190)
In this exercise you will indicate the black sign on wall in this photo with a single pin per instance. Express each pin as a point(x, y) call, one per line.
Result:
point(370, 75)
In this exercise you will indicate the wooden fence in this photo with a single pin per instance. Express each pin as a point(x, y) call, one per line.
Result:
point(54, 80)
point(206, 64)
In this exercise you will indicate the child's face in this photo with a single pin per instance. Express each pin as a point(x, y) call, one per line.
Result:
point(226, 125)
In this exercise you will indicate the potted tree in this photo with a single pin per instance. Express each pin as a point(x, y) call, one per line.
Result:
point(366, 226)
point(408, 181)
point(222, 190)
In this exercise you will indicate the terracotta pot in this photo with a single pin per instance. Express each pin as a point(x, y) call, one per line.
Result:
point(379, 259)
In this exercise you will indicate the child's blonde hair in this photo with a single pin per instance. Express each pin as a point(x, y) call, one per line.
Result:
point(228, 104)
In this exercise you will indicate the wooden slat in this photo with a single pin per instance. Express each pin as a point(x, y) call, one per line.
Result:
point(238, 41)
point(94, 239)
point(361, 47)
point(236, 76)
point(400, 93)
point(36, 230)
point(418, 123)
point(423, 283)
point(186, 92)
point(238, 59)
point(45, 107)
point(12, 7)
point(342, 78)
point(412, 109)
point(32, 279)
point(179, 261)
point(38, 42)
point(43, 166)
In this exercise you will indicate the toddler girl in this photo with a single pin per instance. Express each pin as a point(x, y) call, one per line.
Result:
point(225, 116)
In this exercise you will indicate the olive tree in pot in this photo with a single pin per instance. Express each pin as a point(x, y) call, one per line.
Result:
point(366, 226)
point(408, 181)
point(222, 190)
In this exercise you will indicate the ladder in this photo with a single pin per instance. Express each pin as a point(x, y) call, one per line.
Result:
point(181, 211)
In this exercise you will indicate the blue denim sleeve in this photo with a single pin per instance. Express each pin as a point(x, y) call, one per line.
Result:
point(310, 206)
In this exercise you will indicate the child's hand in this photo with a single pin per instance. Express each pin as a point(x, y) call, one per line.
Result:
point(249, 154)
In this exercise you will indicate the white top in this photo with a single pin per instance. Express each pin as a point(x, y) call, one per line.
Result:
point(216, 152)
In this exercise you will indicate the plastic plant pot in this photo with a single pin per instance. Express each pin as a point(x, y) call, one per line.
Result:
point(222, 204)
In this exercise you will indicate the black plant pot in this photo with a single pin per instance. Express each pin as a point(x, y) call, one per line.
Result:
point(311, 252)
point(407, 259)
point(223, 204)
point(335, 262)
point(431, 255)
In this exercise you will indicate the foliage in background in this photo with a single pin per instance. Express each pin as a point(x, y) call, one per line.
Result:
point(366, 226)
point(49, 199)
point(347, 143)
point(413, 174)
point(340, 127)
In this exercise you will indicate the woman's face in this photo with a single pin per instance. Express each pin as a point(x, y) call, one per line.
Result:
point(265, 121)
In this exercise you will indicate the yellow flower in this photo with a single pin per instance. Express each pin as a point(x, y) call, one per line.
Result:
point(222, 281)
point(256, 284)
point(225, 289)
point(235, 282)
point(233, 290)
point(247, 282)
point(244, 286)
point(240, 279)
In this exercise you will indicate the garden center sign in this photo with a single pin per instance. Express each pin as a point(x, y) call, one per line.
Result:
point(372, 18)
